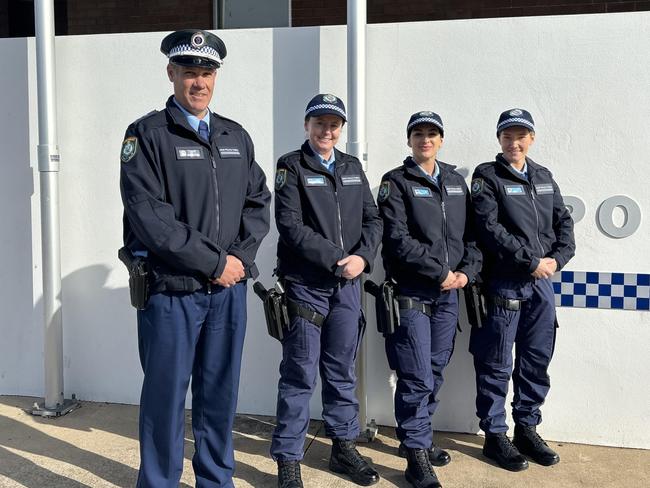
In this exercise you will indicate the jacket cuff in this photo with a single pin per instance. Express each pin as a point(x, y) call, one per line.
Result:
point(218, 271)
point(444, 273)
point(533, 265)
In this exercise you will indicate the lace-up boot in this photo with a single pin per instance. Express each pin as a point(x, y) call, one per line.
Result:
point(438, 457)
point(345, 459)
point(499, 448)
point(289, 474)
point(529, 443)
point(419, 471)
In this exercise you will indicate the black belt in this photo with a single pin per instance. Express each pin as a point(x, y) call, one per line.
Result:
point(406, 303)
point(511, 304)
point(295, 309)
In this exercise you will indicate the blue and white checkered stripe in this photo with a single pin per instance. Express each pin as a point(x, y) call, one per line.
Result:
point(204, 52)
point(327, 106)
point(591, 289)
point(423, 120)
point(516, 121)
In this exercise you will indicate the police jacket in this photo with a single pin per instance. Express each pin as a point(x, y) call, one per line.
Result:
point(427, 228)
point(519, 220)
point(323, 217)
point(189, 203)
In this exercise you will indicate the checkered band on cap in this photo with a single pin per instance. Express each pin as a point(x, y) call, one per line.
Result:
point(515, 121)
point(325, 106)
point(424, 120)
point(203, 52)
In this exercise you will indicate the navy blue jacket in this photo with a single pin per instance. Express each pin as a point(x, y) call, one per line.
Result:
point(519, 220)
point(322, 218)
point(190, 203)
point(427, 228)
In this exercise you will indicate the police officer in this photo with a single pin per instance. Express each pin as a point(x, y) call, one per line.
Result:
point(196, 204)
point(330, 230)
point(429, 252)
point(526, 235)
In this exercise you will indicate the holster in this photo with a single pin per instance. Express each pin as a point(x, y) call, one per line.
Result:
point(138, 277)
point(475, 303)
point(386, 305)
point(275, 309)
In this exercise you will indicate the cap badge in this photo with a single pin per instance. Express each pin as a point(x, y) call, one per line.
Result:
point(198, 40)
point(426, 114)
point(515, 113)
point(329, 98)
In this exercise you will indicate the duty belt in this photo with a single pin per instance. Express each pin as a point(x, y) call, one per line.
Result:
point(406, 303)
point(295, 309)
point(511, 304)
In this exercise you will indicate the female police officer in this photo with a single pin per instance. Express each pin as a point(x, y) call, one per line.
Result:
point(526, 234)
point(429, 253)
point(329, 230)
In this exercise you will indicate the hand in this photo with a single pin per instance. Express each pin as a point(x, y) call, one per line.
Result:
point(449, 280)
point(545, 269)
point(460, 280)
point(232, 273)
point(353, 266)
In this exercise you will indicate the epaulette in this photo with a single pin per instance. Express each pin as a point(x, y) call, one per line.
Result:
point(236, 125)
point(152, 119)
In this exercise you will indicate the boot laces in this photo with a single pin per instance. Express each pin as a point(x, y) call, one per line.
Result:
point(506, 445)
point(290, 471)
point(536, 439)
point(423, 462)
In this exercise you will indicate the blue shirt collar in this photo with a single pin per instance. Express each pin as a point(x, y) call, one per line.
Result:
point(193, 120)
point(436, 172)
point(328, 163)
point(524, 171)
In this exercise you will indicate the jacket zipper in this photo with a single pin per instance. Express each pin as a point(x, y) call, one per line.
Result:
point(532, 201)
point(216, 192)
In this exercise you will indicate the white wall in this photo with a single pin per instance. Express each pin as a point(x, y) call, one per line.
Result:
point(584, 78)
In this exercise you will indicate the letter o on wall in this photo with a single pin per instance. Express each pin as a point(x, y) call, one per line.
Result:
point(605, 216)
point(576, 207)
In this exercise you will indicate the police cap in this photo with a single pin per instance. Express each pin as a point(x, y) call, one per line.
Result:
point(195, 48)
point(325, 104)
point(425, 117)
point(515, 117)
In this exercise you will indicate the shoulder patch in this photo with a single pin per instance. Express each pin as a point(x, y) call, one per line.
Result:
point(477, 186)
point(384, 191)
point(129, 148)
point(280, 178)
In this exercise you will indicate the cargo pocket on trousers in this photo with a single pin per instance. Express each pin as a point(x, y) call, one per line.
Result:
point(405, 346)
point(490, 343)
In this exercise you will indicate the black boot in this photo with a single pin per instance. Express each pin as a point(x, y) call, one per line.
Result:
point(345, 459)
point(499, 448)
point(419, 471)
point(529, 443)
point(438, 457)
point(289, 474)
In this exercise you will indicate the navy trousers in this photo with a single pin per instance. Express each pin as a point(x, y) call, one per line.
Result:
point(419, 351)
point(181, 335)
point(330, 349)
point(532, 330)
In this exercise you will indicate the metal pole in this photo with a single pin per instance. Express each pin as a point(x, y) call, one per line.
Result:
point(218, 14)
point(357, 146)
point(48, 167)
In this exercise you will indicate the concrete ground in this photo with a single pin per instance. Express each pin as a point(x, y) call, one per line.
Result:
point(96, 446)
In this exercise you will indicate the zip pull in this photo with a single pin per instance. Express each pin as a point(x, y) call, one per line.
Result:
point(214, 163)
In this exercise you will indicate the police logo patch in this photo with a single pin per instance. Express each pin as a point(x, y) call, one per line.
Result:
point(129, 148)
point(329, 98)
point(515, 113)
point(198, 40)
point(477, 186)
point(384, 191)
point(280, 178)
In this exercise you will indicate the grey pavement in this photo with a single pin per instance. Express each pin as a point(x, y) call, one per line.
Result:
point(96, 446)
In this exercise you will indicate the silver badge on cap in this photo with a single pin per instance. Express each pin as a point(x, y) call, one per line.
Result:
point(198, 40)
point(329, 98)
point(515, 113)
point(426, 114)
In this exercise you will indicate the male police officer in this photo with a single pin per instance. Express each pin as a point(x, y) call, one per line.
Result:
point(330, 230)
point(196, 204)
point(429, 252)
point(526, 235)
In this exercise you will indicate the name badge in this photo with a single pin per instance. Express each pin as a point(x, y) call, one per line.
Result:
point(514, 190)
point(315, 180)
point(421, 191)
point(454, 190)
point(229, 152)
point(544, 189)
point(351, 180)
point(189, 153)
